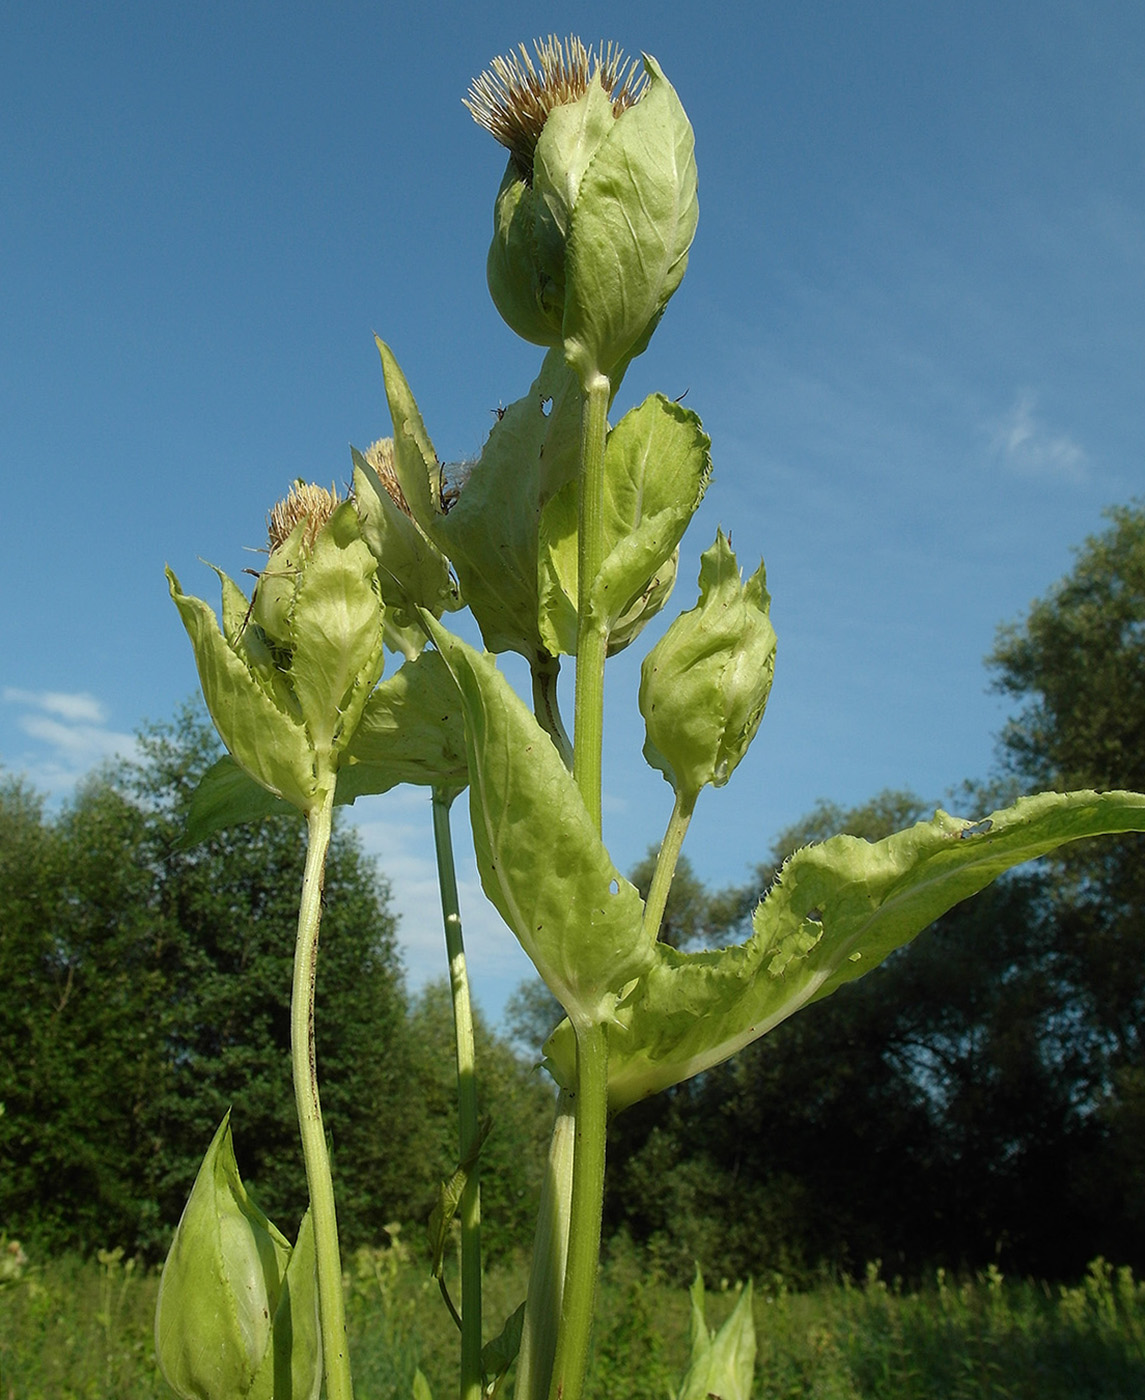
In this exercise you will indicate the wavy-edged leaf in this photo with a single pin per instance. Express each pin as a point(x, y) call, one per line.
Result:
point(490, 535)
point(411, 731)
point(835, 912)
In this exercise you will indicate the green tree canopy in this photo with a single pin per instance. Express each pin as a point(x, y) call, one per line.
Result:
point(147, 989)
point(1076, 666)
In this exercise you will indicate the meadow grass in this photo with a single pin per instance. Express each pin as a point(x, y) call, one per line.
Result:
point(73, 1329)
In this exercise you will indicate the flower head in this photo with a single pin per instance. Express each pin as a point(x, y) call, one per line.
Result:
point(380, 456)
point(597, 208)
point(304, 501)
point(512, 99)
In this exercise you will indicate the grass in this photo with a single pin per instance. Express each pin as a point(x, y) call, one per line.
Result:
point(71, 1329)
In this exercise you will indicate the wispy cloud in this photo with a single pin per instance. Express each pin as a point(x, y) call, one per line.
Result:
point(1026, 445)
point(78, 707)
point(70, 735)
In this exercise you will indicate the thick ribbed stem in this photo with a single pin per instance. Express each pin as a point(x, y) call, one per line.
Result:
point(584, 1222)
point(591, 640)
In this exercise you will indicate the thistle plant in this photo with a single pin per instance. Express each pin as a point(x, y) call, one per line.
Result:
point(562, 542)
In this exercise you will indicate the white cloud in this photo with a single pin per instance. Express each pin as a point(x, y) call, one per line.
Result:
point(75, 707)
point(69, 735)
point(1026, 445)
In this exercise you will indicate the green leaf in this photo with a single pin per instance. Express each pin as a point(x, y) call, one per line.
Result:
point(415, 462)
point(270, 744)
point(834, 913)
point(499, 1354)
point(221, 1284)
point(490, 535)
point(656, 468)
point(632, 225)
point(411, 731)
point(541, 861)
point(657, 465)
point(529, 300)
point(412, 572)
point(704, 685)
point(421, 1390)
point(336, 631)
point(226, 796)
point(568, 144)
point(722, 1364)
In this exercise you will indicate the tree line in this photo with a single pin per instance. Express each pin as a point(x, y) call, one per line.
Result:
point(146, 989)
point(980, 1097)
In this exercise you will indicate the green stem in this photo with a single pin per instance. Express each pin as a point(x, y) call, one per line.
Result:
point(550, 1257)
point(666, 863)
point(331, 1308)
point(591, 639)
point(469, 1210)
point(584, 1221)
point(545, 671)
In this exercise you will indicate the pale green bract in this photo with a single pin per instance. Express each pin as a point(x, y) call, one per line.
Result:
point(287, 702)
point(704, 685)
point(657, 465)
point(237, 1314)
point(412, 572)
point(588, 256)
point(834, 913)
point(722, 1364)
point(490, 534)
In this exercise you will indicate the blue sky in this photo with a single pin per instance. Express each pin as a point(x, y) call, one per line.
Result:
point(912, 324)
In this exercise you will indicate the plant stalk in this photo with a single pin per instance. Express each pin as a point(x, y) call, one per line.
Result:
point(545, 671)
point(591, 639)
point(591, 1110)
point(331, 1306)
point(666, 861)
point(469, 1209)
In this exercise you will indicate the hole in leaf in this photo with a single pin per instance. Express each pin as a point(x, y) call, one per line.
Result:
point(814, 916)
point(546, 406)
point(614, 887)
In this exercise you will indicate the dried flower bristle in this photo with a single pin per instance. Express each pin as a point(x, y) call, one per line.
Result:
point(512, 99)
point(314, 504)
point(380, 456)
